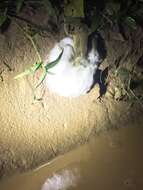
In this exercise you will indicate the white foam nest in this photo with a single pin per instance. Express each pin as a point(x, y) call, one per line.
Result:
point(67, 79)
point(61, 181)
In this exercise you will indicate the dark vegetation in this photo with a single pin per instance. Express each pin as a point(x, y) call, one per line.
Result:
point(97, 14)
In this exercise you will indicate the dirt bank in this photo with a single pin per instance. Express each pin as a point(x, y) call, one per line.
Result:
point(86, 167)
point(33, 132)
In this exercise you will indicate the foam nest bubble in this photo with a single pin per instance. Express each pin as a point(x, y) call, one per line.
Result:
point(69, 79)
point(62, 180)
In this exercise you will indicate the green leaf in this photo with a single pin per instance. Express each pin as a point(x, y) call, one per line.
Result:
point(46, 69)
point(19, 4)
point(43, 76)
point(2, 19)
point(35, 67)
point(53, 63)
point(131, 22)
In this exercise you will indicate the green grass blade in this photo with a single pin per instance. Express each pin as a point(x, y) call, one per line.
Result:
point(2, 19)
point(35, 67)
point(43, 76)
point(46, 69)
point(32, 70)
point(53, 63)
point(21, 75)
point(131, 22)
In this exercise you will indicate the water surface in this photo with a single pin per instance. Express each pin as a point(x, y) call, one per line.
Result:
point(113, 160)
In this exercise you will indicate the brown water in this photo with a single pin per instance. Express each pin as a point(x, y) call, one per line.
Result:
point(113, 160)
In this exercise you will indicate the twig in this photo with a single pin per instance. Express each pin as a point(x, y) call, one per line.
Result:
point(133, 94)
point(1, 77)
point(8, 67)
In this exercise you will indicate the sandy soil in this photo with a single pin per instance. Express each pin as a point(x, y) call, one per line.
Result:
point(33, 132)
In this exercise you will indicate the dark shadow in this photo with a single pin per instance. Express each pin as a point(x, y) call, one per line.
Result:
point(93, 9)
point(4, 27)
point(134, 84)
point(100, 79)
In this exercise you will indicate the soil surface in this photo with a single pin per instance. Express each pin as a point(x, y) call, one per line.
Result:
point(32, 132)
point(86, 167)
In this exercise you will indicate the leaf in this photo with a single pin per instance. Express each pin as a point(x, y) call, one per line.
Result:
point(19, 4)
point(131, 22)
point(42, 78)
point(2, 19)
point(53, 63)
point(35, 67)
point(32, 70)
point(46, 69)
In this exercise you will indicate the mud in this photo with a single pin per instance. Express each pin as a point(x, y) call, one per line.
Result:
point(112, 160)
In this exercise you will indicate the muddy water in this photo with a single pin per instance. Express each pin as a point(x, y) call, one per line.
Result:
point(113, 160)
